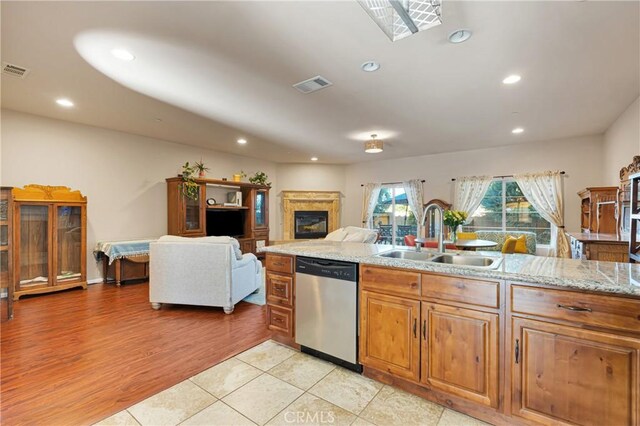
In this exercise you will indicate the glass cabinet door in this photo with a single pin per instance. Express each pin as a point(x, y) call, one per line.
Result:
point(261, 209)
point(34, 245)
point(192, 220)
point(4, 239)
point(69, 243)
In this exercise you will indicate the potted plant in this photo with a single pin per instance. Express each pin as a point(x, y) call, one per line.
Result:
point(189, 187)
point(453, 219)
point(260, 178)
point(237, 177)
point(200, 168)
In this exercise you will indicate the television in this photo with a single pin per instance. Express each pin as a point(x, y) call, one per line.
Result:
point(225, 223)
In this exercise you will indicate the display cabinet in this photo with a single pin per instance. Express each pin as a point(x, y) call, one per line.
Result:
point(6, 273)
point(598, 209)
point(634, 217)
point(49, 239)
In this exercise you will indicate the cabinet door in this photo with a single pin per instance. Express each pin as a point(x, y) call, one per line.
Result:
point(193, 214)
point(261, 213)
point(460, 352)
point(389, 336)
point(571, 375)
point(33, 231)
point(69, 243)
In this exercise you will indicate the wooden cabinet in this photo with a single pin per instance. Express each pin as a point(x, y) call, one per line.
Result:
point(6, 248)
point(389, 335)
point(634, 218)
point(569, 375)
point(49, 239)
point(460, 352)
point(249, 223)
point(280, 293)
point(603, 247)
point(598, 209)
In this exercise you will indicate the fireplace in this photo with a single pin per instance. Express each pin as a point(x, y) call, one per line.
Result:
point(310, 224)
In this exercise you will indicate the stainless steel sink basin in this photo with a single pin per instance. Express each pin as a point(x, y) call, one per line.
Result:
point(408, 255)
point(477, 261)
point(480, 262)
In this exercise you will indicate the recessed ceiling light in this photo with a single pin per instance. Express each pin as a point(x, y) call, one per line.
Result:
point(314, 158)
point(242, 141)
point(64, 102)
point(370, 66)
point(158, 119)
point(123, 55)
point(514, 78)
point(459, 36)
point(517, 130)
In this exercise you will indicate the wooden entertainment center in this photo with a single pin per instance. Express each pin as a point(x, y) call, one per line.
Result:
point(248, 222)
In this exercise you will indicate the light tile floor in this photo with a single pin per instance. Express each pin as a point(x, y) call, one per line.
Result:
point(271, 384)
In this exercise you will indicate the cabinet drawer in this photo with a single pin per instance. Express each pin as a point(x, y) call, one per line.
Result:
point(279, 289)
point(463, 290)
point(591, 309)
point(390, 281)
point(279, 263)
point(280, 319)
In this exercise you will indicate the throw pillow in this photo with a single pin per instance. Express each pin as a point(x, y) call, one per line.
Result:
point(337, 235)
point(509, 245)
point(467, 236)
point(521, 245)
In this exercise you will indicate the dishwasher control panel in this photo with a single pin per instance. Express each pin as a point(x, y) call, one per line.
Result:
point(345, 271)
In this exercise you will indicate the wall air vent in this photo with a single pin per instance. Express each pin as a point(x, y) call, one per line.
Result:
point(14, 70)
point(313, 84)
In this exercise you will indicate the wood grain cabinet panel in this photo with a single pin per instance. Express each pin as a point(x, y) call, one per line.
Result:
point(460, 352)
point(567, 375)
point(278, 263)
point(389, 336)
point(279, 289)
point(391, 281)
point(591, 309)
point(463, 290)
point(280, 319)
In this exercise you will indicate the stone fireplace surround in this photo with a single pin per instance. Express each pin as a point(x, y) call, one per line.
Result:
point(293, 201)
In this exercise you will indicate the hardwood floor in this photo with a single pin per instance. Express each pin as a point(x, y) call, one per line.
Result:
point(78, 356)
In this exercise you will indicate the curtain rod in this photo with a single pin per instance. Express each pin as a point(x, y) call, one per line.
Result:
point(505, 176)
point(393, 183)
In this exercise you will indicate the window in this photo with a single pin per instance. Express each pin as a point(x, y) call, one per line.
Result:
point(505, 208)
point(393, 217)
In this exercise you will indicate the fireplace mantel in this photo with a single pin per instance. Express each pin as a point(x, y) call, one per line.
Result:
point(293, 201)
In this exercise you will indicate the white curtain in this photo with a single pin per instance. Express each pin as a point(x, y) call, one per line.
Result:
point(544, 192)
point(413, 189)
point(369, 201)
point(469, 192)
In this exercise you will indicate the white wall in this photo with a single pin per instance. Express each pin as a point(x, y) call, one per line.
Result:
point(305, 177)
point(621, 143)
point(122, 175)
point(579, 157)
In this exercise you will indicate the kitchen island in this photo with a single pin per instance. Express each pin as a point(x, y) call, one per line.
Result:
point(536, 340)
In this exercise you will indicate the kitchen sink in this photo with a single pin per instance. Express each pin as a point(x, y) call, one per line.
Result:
point(408, 255)
point(477, 261)
point(481, 262)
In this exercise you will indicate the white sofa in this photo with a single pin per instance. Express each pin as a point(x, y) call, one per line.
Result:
point(207, 271)
point(353, 234)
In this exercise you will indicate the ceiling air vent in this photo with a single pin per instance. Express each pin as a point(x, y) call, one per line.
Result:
point(313, 84)
point(14, 70)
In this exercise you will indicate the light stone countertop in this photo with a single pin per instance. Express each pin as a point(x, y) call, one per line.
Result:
point(609, 277)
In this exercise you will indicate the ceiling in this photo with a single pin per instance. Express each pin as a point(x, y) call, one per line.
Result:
point(213, 72)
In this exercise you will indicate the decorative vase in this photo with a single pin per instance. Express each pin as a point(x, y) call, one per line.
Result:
point(453, 235)
point(202, 174)
point(237, 177)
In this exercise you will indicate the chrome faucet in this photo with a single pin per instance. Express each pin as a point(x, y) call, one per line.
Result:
point(440, 229)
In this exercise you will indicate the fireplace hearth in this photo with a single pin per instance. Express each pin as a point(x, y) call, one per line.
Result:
point(310, 224)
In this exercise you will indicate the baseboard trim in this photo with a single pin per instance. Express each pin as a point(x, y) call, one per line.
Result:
point(95, 281)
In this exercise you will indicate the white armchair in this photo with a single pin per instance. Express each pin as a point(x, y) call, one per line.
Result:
point(208, 271)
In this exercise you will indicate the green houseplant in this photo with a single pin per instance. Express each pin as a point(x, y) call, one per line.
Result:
point(200, 168)
point(189, 187)
point(260, 178)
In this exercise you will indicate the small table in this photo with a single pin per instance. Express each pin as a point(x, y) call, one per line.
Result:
point(124, 260)
point(474, 244)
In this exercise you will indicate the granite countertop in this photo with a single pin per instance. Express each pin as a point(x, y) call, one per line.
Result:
point(609, 277)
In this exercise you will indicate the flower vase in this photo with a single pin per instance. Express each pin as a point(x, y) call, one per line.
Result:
point(453, 235)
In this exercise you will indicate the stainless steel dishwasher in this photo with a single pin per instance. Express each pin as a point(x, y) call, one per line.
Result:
point(327, 310)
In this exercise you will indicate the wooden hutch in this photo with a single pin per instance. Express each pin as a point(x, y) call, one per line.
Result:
point(49, 237)
point(248, 221)
point(6, 246)
point(634, 218)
